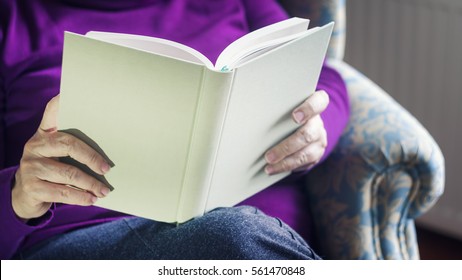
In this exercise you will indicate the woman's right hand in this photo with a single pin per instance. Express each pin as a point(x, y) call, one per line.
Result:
point(41, 179)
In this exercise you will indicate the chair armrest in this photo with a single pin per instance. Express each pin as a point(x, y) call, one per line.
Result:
point(321, 12)
point(385, 171)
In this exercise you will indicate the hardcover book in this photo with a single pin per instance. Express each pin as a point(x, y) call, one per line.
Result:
point(185, 135)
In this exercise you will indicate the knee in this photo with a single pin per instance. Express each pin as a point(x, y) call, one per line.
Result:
point(228, 233)
point(235, 225)
point(243, 233)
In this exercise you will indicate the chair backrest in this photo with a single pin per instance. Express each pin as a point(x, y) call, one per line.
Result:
point(321, 12)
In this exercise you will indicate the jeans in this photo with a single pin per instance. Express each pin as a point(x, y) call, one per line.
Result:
point(225, 233)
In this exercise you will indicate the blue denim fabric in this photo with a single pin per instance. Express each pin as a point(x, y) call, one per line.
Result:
point(226, 233)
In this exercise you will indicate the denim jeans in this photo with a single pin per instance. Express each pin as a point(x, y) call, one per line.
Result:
point(225, 233)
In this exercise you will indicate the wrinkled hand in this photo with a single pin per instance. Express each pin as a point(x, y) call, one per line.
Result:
point(306, 146)
point(41, 179)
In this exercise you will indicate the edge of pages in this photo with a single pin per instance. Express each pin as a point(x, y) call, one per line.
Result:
point(276, 33)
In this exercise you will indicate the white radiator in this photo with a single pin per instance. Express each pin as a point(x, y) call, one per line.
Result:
point(413, 49)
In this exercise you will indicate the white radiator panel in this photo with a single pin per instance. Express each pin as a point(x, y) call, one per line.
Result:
point(413, 49)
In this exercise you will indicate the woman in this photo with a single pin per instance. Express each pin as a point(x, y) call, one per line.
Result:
point(42, 218)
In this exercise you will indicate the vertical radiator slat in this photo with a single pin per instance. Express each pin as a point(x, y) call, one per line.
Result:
point(389, 38)
point(422, 62)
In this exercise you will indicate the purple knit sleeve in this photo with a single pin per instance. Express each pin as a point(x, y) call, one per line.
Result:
point(337, 113)
point(13, 229)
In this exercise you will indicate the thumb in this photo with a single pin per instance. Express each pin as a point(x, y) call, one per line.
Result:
point(50, 116)
point(315, 104)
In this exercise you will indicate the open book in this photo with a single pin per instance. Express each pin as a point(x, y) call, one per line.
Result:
point(187, 136)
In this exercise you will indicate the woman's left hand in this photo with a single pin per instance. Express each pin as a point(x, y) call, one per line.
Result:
point(305, 147)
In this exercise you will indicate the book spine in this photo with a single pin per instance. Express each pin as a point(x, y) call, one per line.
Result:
point(208, 123)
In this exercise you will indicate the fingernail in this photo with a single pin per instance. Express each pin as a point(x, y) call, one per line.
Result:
point(105, 168)
point(269, 170)
point(105, 191)
point(270, 157)
point(94, 199)
point(299, 116)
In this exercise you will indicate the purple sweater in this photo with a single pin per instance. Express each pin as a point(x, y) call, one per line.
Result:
point(31, 40)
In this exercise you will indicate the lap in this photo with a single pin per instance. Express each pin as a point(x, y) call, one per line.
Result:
point(225, 233)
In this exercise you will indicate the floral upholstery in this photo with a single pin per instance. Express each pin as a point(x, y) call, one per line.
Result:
point(386, 170)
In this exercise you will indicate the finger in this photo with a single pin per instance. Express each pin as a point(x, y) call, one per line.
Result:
point(307, 156)
point(313, 105)
point(305, 135)
point(323, 143)
point(52, 192)
point(61, 144)
point(50, 116)
point(60, 173)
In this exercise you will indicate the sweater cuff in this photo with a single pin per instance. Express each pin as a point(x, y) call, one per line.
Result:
point(15, 230)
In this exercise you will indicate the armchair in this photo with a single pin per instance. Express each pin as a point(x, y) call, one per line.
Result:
point(385, 171)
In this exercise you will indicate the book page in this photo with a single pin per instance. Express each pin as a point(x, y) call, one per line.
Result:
point(258, 38)
point(251, 43)
point(153, 45)
point(250, 53)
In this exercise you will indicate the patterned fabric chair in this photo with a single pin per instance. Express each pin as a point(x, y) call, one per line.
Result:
point(386, 170)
